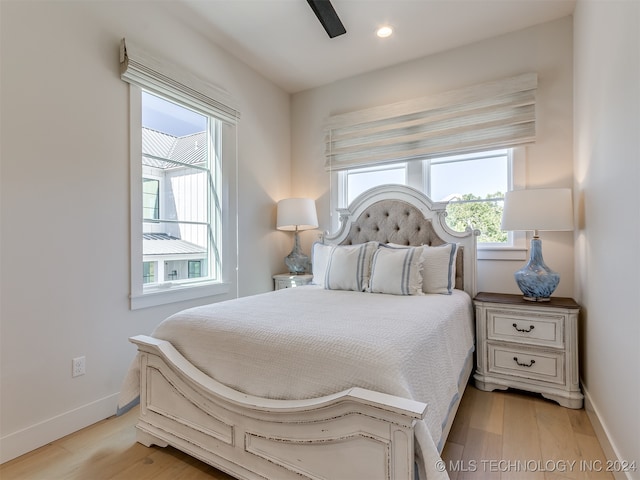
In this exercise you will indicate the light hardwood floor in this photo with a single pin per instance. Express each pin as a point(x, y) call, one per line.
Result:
point(496, 435)
point(515, 435)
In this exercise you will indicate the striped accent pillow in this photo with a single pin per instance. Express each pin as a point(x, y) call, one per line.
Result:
point(439, 268)
point(396, 271)
point(349, 267)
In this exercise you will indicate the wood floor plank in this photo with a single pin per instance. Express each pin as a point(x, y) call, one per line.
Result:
point(460, 427)
point(521, 441)
point(482, 450)
point(452, 456)
point(557, 441)
point(488, 412)
point(115, 429)
point(160, 464)
point(580, 422)
point(49, 461)
point(593, 463)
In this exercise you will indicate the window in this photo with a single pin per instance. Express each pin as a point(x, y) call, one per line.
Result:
point(474, 185)
point(195, 268)
point(183, 183)
point(150, 199)
point(148, 272)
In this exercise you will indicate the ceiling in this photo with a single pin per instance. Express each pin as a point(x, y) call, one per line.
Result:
point(283, 40)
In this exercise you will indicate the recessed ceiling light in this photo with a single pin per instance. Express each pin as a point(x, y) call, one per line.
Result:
point(384, 32)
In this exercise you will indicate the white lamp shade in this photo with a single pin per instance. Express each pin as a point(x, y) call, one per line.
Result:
point(297, 213)
point(538, 209)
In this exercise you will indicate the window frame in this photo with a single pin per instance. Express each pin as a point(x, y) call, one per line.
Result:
point(142, 295)
point(418, 176)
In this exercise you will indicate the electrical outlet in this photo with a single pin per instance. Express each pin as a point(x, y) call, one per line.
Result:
point(78, 366)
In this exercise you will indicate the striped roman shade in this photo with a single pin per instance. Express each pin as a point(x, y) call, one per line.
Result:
point(143, 69)
point(497, 114)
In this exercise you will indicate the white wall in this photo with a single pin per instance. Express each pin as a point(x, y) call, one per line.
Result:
point(607, 179)
point(65, 201)
point(545, 49)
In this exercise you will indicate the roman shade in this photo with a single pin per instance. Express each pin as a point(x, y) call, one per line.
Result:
point(141, 68)
point(496, 114)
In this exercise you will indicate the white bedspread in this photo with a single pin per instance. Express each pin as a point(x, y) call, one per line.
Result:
point(308, 342)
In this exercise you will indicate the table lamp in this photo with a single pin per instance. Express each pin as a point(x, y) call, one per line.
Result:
point(297, 214)
point(548, 209)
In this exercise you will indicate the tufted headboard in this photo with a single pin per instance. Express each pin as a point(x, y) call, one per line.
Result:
point(403, 215)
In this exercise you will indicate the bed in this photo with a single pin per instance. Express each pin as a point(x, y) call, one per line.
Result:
point(324, 381)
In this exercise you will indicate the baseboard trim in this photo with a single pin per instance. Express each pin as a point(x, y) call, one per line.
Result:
point(23, 441)
point(600, 429)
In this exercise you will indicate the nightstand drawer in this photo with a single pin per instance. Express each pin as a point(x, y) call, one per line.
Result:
point(287, 280)
point(525, 328)
point(529, 364)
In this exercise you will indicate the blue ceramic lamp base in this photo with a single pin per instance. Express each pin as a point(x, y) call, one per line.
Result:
point(537, 281)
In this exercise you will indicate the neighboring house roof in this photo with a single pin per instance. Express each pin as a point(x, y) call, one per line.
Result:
point(165, 244)
point(189, 149)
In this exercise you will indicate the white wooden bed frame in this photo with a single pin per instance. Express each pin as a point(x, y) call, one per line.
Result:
point(354, 434)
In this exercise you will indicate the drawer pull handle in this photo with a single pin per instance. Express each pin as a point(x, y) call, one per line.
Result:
point(515, 359)
point(524, 330)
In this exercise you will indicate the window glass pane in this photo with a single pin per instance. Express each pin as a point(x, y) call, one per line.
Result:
point(170, 118)
point(485, 216)
point(177, 193)
point(176, 248)
point(360, 180)
point(150, 199)
point(148, 272)
point(481, 175)
point(186, 195)
point(468, 182)
point(195, 269)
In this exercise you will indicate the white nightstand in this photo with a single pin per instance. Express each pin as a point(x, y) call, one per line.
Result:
point(289, 280)
point(531, 346)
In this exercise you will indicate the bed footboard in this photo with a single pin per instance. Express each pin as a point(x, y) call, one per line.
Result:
point(356, 433)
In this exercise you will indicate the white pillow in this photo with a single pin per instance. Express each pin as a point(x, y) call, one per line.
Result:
point(439, 268)
point(396, 271)
point(319, 260)
point(343, 267)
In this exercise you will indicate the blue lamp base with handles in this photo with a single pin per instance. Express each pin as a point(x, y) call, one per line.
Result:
point(537, 281)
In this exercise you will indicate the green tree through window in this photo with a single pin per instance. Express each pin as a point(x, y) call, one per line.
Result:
point(482, 215)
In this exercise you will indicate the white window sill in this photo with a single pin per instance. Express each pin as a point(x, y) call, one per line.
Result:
point(502, 253)
point(163, 296)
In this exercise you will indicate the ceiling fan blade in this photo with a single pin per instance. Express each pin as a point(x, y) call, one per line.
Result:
point(328, 17)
